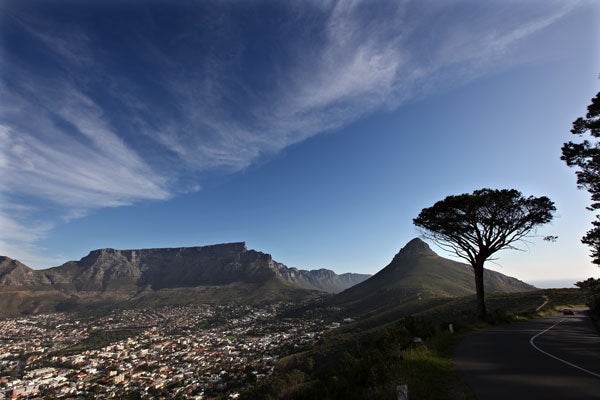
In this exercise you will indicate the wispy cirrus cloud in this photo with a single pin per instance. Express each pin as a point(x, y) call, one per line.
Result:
point(105, 112)
point(67, 155)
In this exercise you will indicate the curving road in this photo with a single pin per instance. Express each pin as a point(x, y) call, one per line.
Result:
point(556, 357)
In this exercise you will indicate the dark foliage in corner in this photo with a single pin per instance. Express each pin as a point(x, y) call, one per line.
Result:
point(592, 287)
point(585, 155)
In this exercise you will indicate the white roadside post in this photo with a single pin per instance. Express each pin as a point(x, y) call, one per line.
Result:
point(402, 392)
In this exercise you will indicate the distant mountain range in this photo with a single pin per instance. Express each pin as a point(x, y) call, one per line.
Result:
point(228, 273)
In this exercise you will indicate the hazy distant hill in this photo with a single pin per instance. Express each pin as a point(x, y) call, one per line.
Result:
point(219, 273)
point(418, 272)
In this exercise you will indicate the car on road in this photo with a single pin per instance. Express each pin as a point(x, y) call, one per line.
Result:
point(568, 311)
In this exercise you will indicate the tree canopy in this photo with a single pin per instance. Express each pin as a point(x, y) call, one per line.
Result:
point(591, 284)
point(585, 156)
point(476, 225)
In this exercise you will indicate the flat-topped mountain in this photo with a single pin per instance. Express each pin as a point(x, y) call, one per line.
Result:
point(224, 272)
point(222, 264)
point(109, 269)
point(416, 272)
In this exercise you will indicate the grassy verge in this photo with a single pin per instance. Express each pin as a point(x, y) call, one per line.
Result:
point(430, 373)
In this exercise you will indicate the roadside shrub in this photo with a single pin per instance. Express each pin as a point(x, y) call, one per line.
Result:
point(417, 326)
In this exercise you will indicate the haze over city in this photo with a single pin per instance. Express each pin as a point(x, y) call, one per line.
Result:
point(315, 131)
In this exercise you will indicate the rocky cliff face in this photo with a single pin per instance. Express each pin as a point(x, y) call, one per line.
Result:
point(110, 270)
point(413, 249)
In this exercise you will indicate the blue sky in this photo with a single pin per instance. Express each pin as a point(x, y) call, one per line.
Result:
point(315, 131)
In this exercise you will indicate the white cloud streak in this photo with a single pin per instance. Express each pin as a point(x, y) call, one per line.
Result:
point(42, 160)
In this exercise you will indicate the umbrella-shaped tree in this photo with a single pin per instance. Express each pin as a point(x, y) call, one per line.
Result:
point(474, 226)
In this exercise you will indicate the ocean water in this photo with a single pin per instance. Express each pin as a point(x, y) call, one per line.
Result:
point(556, 283)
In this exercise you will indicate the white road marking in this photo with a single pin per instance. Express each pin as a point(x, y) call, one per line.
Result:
point(557, 358)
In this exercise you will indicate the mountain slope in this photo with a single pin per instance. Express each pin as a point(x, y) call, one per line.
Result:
point(25, 290)
point(418, 272)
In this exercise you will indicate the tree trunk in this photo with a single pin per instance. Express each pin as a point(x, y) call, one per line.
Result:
point(478, 270)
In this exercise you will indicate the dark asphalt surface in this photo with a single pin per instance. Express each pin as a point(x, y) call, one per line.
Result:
point(501, 363)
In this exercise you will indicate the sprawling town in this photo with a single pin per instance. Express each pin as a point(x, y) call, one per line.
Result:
point(187, 352)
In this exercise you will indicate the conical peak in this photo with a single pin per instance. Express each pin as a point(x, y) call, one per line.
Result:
point(415, 247)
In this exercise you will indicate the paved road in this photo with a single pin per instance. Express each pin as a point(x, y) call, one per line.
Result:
point(503, 362)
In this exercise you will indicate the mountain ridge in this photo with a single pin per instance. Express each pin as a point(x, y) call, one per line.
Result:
point(230, 272)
